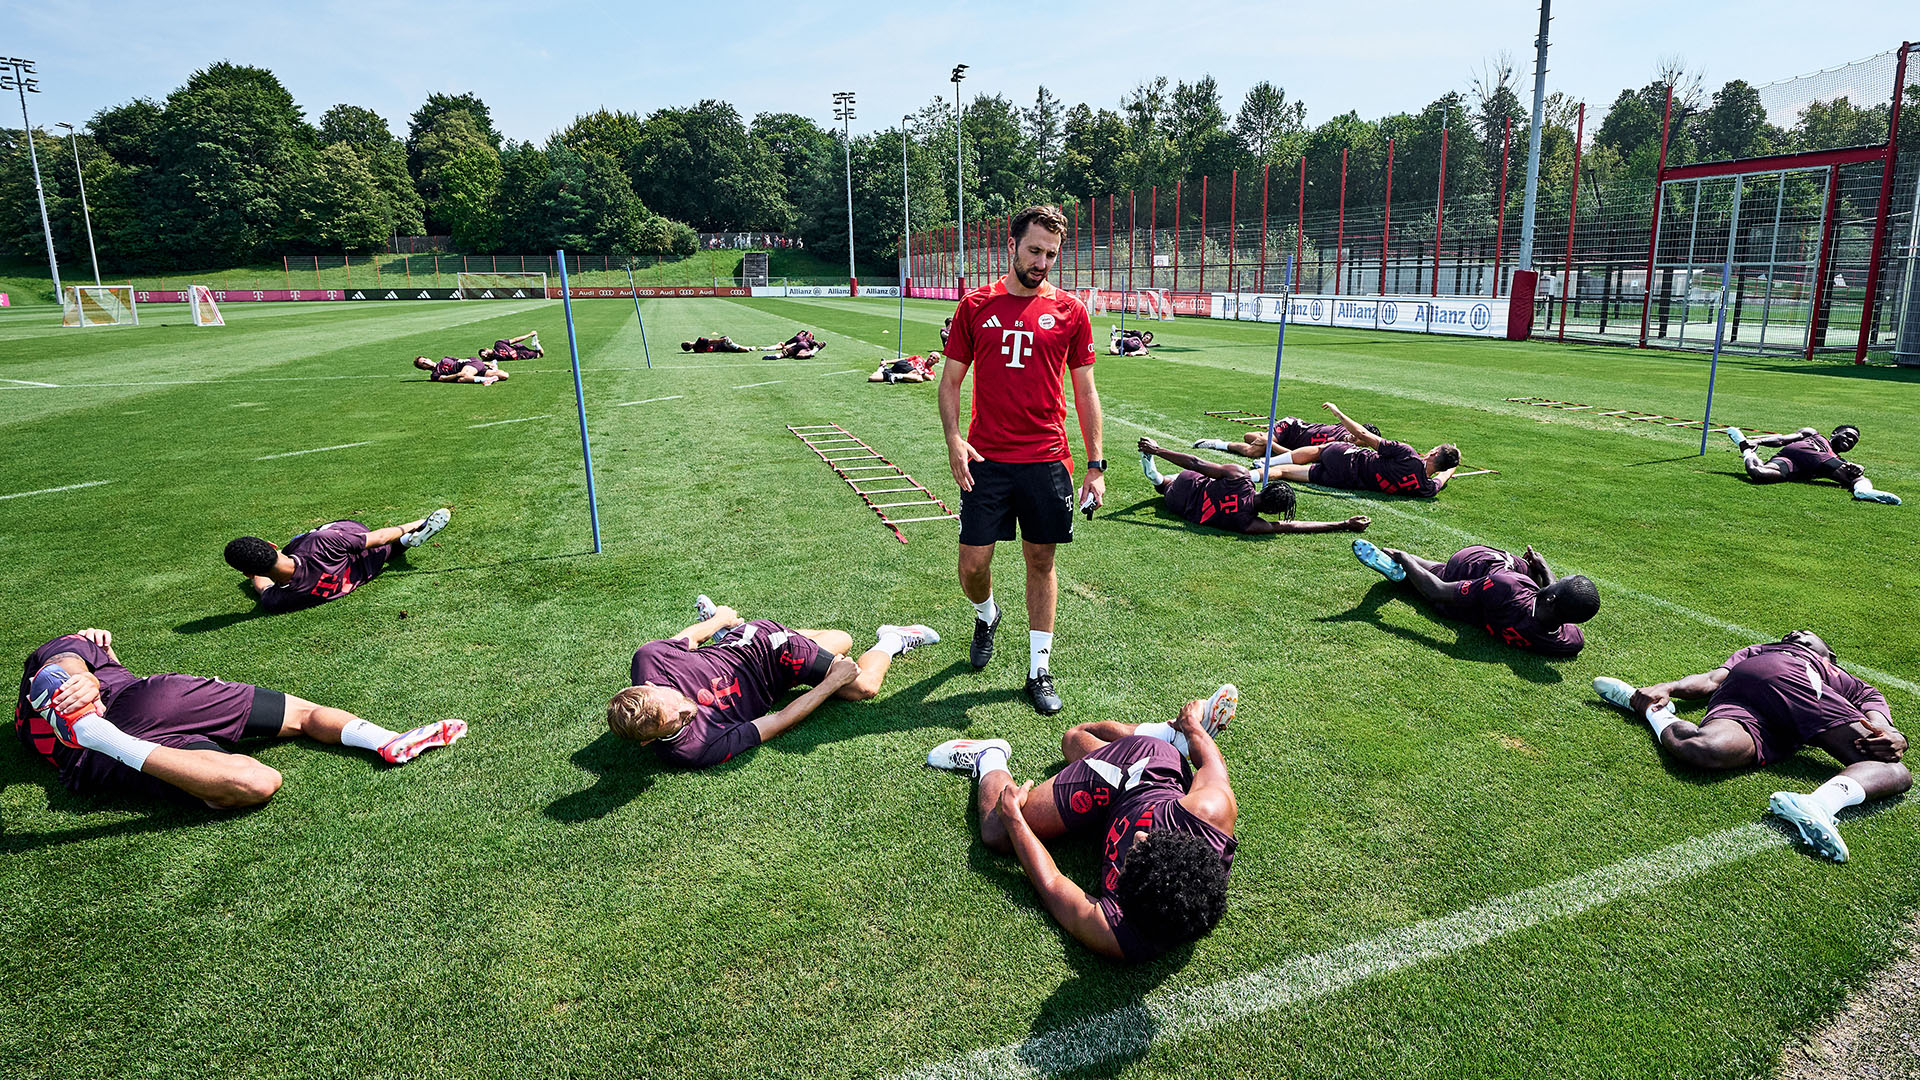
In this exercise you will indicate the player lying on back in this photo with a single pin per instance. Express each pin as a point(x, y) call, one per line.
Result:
point(1159, 796)
point(1225, 497)
point(455, 369)
point(512, 349)
point(1518, 601)
point(1293, 433)
point(1392, 468)
point(908, 369)
point(699, 705)
point(110, 732)
point(716, 343)
point(800, 346)
point(1763, 704)
point(1807, 455)
point(1128, 342)
point(326, 563)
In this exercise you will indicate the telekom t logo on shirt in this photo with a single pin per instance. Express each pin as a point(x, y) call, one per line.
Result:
point(1016, 345)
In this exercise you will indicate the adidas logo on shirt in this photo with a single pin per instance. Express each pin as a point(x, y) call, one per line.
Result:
point(992, 321)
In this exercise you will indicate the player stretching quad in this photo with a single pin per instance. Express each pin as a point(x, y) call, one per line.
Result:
point(907, 369)
point(110, 732)
point(801, 346)
point(717, 343)
point(1293, 433)
point(1763, 704)
point(1392, 468)
point(512, 349)
point(454, 369)
point(1519, 601)
point(1159, 795)
point(699, 706)
point(327, 563)
point(1021, 337)
point(1807, 455)
point(1224, 496)
point(1128, 342)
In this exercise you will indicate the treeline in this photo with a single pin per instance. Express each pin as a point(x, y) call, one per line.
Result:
point(227, 168)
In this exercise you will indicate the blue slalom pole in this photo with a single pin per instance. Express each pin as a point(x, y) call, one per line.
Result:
point(579, 396)
point(1273, 403)
point(1720, 324)
point(631, 287)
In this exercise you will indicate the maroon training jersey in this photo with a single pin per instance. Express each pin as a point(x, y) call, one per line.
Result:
point(34, 732)
point(1785, 694)
point(331, 561)
point(732, 684)
point(1809, 458)
point(1223, 504)
point(1394, 469)
point(507, 350)
point(1019, 348)
point(1293, 433)
point(1488, 591)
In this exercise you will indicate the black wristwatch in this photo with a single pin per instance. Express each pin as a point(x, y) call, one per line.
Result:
point(1101, 464)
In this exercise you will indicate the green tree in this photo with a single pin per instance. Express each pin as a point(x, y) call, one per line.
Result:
point(460, 179)
point(701, 165)
point(338, 204)
point(1042, 127)
point(1005, 161)
point(518, 200)
point(1735, 125)
point(231, 145)
point(385, 157)
point(1271, 128)
point(611, 133)
point(429, 114)
point(1094, 152)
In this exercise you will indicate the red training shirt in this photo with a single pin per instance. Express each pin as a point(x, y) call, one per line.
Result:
point(1020, 348)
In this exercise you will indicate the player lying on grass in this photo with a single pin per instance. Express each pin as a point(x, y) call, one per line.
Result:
point(1128, 342)
point(512, 349)
point(717, 343)
point(800, 346)
point(1293, 433)
point(1763, 704)
point(327, 563)
point(1159, 796)
point(1518, 601)
point(1807, 455)
point(700, 705)
point(910, 369)
point(112, 733)
point(1224, 496)
point(455, 369)
point(1393, 468)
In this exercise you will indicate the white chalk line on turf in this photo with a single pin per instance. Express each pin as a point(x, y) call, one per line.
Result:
point(24, 382)
point(51, 490)
point(1876, 676)
point(1162, 1018)
point(751, 385)
point(315, 450)
point(651, 400)
point(848, 371)
point(521, 420)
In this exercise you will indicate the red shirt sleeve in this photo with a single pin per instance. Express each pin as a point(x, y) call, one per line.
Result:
point(960, 341)
point(1080, 351)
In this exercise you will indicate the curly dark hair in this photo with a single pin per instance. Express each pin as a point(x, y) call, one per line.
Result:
point(1375, 428)
point(1172, 887)
point(1575, 598)
point(1445, 457)
point(251, 555)
point(1277, 498)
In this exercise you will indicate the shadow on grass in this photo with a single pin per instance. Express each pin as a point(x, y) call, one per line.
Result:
point(154, 816)
point(1466, 645)
point(1809, 766)
point(913, 702)
point(405, 570)
point(1665, 461)
point(624, 771)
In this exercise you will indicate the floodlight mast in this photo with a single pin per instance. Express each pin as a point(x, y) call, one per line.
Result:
point(17, 73)
point(959, 180)
point(1525, 262)
point(906, 214)
point(843, 112)
point(74, 139)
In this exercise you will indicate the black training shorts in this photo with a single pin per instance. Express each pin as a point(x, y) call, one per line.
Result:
point(1039, 495)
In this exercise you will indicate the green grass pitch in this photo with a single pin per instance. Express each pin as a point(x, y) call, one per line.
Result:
point(542, 901)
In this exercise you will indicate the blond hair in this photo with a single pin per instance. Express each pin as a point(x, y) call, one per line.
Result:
point(631, 715)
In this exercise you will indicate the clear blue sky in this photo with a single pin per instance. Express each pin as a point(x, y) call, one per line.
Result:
point(538, 65)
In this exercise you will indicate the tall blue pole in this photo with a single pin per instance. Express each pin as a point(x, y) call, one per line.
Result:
point(1273, 403)
point(1720, 324)
point(579, 396)
point(631, 287)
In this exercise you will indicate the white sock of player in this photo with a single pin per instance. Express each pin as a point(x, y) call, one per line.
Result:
point(366, 735)
point(987, 609)
point(1862, 486)
point(1210, 444)
point(1039, 651)
point(992, 759)
point(96, 732)
point(1661, 718)
point(1284, 457)
point(1839, 793)
point(1165, 733)
point(893, 643)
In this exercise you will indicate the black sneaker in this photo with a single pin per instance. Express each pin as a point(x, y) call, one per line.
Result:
point(1040, 691)
point(982, 650)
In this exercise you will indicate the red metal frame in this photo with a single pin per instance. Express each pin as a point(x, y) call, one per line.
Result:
point(1130, 233)
point(1340, 234)
point(1153, 226)
point(1573, 208)
point(1878, 247)
point(1386, 223)
point(1822, 264)
point(1109, 242)
point(1300, 230)
point(1176, 235)
point(1439, 213)
point(1203, 234)
point(1500, 228)
point(1260, 278)
point(1233, 218)
point(1653, 241)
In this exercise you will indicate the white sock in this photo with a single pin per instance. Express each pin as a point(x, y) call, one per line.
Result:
point(1165, 733)
point(992, 759)
point(1284, 457)
point(1210, 444)
point(1862, 486)
point(987, 609)
point(892, 642)
point(96, 732)
point(1039, 650)
point(1661, 719)
point(366, 735)
point(1839, 793)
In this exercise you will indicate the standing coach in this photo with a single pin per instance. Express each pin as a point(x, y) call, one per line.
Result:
point(1020, 337)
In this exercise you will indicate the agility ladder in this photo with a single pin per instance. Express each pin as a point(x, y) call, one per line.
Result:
point(840, 449)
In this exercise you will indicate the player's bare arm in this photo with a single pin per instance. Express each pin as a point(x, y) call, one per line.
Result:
point(1086, 404)
point(1211, 797)
point(1440, 478)
point(1536, 567)
point(1421, 576)
point(1361, 436)
point(960, 453)
point(1690, 688)
point(1064, 900)
point(1263, 527)
point(842, 671)
point(1882, 741)
point(722, 618)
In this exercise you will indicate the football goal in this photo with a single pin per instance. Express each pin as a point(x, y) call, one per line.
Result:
point(205, 311)
point(504, 285)
point(99, 305)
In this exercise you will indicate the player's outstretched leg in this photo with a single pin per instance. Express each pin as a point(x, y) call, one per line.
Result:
point(1373, 558)
point(427, 528)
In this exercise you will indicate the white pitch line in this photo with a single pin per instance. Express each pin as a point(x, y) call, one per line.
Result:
point(848, 371)
point(49, 491)
point(751, 385)
point(522, 420)
point(1162, 1018)
point(25, 382)
point(315, 450)
point(651, 400)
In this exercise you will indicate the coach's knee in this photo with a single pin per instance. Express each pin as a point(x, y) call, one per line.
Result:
point(1039, 558)
point(246, 783)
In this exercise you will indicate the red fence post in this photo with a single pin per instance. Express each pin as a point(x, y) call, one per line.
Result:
point(1130, 231)
point(1500, 229)
point(1822, 265)
point(1340, 235)
point(1439, 211)
point(1203, 234)
point(1880, 217)
point(1573, 207)
point(1653, 239)
point(1176, 235)
point(1233, 210)
point(1386, 222)
point(1110, 201)
point(1074, 272)
point(1260, 279)
point(1300, 228)
point(1153, 225)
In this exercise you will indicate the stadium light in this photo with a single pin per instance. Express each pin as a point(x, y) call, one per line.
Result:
point(959, 177)
point(74, 138)
point(1525, 262)
point(17, 73)
point(843, 112)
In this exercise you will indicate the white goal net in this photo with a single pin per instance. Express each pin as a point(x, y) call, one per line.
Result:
point(205, 311)
point(98, 305)
point(501, 286)
point(1154, 304)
